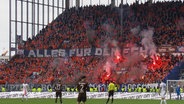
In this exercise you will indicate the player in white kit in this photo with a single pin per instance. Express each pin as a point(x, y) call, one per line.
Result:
point(163, 92)
point(25, 91)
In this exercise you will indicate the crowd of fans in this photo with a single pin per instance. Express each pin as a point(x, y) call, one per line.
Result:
point(97, 26)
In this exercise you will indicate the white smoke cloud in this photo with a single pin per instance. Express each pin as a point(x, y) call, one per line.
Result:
point(90, 33)
point(147, 41)
point(180, 23)
point(136, 30)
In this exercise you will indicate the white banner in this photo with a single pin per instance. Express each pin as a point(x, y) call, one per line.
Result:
point(90, 95)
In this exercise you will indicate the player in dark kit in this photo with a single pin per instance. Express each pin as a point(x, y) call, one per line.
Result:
point(58, 89)
point(82, 87)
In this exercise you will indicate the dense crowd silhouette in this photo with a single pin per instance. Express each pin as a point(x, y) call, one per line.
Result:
point(101, 26)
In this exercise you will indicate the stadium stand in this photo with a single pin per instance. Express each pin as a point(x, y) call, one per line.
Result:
point(94, 26)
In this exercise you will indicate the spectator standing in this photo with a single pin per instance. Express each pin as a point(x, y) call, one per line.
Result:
point(170, 91)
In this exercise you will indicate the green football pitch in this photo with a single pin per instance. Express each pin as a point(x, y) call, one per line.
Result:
point(89, 101)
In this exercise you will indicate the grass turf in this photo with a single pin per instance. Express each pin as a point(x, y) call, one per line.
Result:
point(89, 101)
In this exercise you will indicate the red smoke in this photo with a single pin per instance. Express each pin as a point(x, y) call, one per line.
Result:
point(155, 63)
